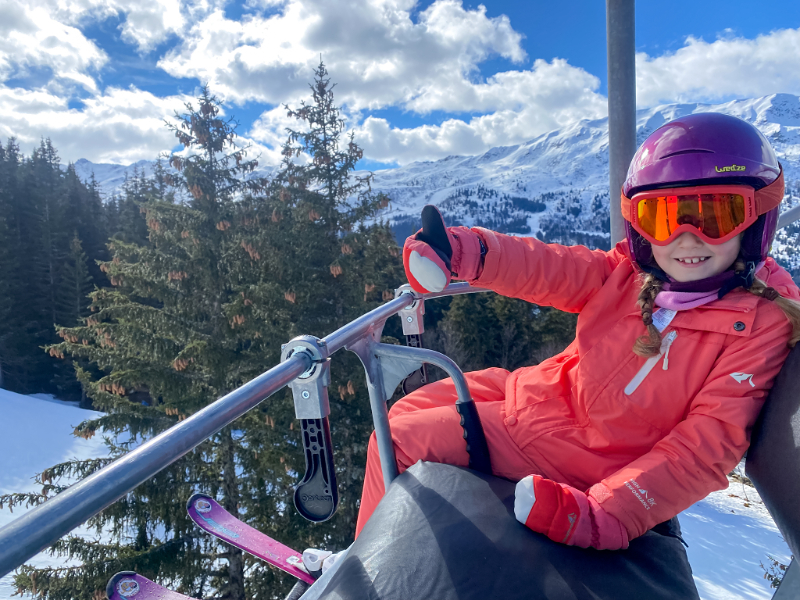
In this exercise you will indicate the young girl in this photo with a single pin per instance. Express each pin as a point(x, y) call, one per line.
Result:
point(682, 329)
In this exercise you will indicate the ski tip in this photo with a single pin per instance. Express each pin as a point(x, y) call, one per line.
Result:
point(190, 502)
point(122, 585)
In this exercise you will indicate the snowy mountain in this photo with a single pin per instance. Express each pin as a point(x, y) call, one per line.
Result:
point(111, 177)
point(554, 186)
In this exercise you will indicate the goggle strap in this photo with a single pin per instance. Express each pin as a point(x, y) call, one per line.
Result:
point(771, 196)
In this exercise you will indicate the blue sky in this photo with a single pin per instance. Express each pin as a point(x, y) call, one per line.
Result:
point(417, 80)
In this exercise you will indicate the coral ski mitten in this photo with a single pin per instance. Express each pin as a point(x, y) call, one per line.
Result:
point(567, 515)
point(436, 253)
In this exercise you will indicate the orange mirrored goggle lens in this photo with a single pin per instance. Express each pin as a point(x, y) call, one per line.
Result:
point(714, 215)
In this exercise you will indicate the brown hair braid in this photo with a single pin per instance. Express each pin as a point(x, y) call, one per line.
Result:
point(650, 343)
point(791, 308)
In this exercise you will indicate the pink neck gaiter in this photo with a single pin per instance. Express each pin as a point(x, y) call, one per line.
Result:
point(684, 300)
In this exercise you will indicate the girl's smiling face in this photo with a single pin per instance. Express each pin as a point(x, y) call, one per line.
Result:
point(688, 258)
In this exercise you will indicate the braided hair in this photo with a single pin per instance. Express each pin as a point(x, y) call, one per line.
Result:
point(650, 343)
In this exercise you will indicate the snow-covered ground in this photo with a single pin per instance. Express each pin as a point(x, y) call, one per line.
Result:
point(36, 433)
point(727, 540)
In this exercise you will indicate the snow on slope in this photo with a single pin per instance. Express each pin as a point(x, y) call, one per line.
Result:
point(727, 540)
point(111, 177)
point(36, 433)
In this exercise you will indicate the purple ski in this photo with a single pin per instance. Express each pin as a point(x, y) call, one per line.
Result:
point(127, 585)
point(212, 518)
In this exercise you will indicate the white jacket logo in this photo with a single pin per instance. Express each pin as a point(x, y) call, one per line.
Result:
point(741, 377)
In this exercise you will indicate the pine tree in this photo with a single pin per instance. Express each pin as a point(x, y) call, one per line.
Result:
point(131, 225)
point(318, 267)
point(43, 209)
point(234, 267)
point(83, 216)
point(487, 330)
point(8, 288)
point(32, 191)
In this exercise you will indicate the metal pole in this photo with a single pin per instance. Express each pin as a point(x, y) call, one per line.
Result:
point(789, 217)
point(621, 48)
point(355, 329)
point(34, 531)
point(380, 416)
point(455, 289)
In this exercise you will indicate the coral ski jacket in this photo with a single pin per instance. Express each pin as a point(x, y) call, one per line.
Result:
point(646, 451)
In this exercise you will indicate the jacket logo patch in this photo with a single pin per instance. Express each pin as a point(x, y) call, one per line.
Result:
point(742, 377)
point(640, 493)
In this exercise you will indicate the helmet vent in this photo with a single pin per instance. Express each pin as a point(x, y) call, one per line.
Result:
point(687, 151)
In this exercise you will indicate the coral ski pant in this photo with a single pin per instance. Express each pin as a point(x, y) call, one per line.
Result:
point(426, 426)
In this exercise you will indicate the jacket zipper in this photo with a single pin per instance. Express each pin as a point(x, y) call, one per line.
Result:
point(651, 362)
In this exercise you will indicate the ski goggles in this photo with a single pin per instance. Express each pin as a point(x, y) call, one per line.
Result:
point(714, 213)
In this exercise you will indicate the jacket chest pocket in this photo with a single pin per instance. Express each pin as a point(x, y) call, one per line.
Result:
point(662, 357)
point(661, 389)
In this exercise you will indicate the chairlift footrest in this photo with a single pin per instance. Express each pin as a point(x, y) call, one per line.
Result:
point(316, 496)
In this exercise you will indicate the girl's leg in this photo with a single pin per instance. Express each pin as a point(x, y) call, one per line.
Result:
point(426, 426)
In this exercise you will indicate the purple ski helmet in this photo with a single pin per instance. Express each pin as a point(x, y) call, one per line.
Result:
point(704, 149)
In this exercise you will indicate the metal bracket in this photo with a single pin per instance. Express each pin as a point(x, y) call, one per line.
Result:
point(310, 390)
point(412, 315)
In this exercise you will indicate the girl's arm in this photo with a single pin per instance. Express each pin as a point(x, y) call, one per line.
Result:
point(565, 277)
point(695, 458)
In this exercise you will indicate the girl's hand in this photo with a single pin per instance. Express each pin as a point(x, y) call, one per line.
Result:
point(435, 253)
point(567, 515)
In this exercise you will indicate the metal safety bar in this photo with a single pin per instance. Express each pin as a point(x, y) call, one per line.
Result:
point(383, 376)
point(45, 524)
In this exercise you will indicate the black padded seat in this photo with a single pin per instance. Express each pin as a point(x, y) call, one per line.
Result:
point(773, 461)
point(447, 533)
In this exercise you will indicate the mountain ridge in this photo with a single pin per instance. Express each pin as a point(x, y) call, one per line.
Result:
point(554, 186)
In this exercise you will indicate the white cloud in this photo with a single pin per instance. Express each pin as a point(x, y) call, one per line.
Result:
point(269, 132)
point(149, 23)
point(145, 23)
point(548, 96)
point(118, 126)
point(379, 55)
point(30, 40)
point(727, 67)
